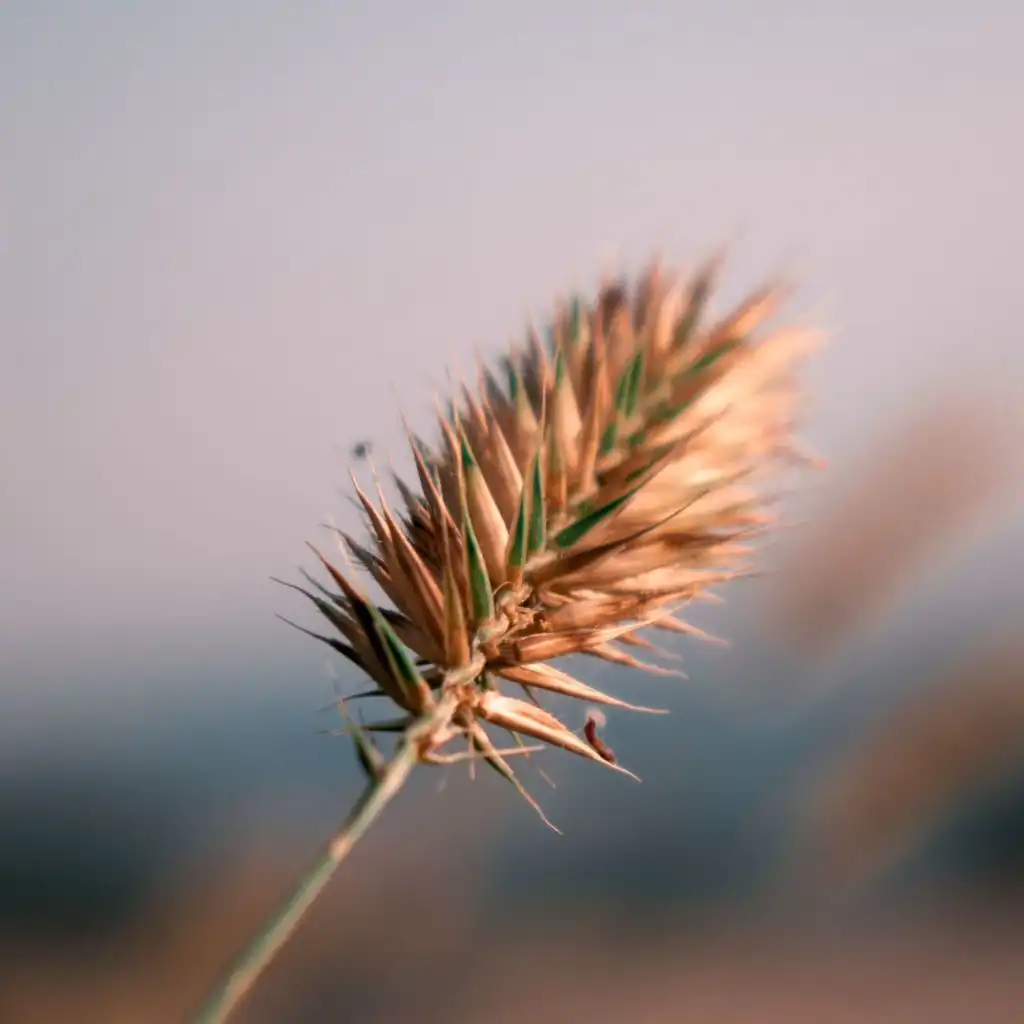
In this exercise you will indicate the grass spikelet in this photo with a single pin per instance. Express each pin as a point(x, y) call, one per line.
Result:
point(598, 491)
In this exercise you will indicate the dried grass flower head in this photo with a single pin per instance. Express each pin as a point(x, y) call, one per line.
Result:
point(584, 493)
point(607, 479)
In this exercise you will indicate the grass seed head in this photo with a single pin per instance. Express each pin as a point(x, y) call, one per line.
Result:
point(587, 490)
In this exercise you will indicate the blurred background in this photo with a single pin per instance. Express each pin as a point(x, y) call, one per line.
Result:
point(236, 238)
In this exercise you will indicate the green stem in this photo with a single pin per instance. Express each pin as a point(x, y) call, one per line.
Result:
point(268, 943)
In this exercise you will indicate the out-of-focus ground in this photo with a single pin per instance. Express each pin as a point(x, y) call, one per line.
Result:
point(844, 850)
point(384, 948)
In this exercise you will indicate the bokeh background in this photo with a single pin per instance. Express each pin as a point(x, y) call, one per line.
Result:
point(237, 237)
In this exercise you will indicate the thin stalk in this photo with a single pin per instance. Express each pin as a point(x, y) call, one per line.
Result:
point(279, 928)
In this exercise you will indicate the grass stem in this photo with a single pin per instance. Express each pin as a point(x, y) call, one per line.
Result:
point(255, 959)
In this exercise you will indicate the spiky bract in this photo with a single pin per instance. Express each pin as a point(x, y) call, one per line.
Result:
point(607, 481)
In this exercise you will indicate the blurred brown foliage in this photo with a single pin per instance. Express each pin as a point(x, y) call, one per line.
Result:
point(932, 752)
point(921, 486)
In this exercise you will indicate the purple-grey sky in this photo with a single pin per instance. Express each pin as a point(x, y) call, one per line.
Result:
point(228, 228)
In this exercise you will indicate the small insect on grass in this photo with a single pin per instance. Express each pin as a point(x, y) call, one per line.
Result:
point(597, 720)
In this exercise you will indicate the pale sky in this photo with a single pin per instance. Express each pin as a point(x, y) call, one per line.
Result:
point(229, 229)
